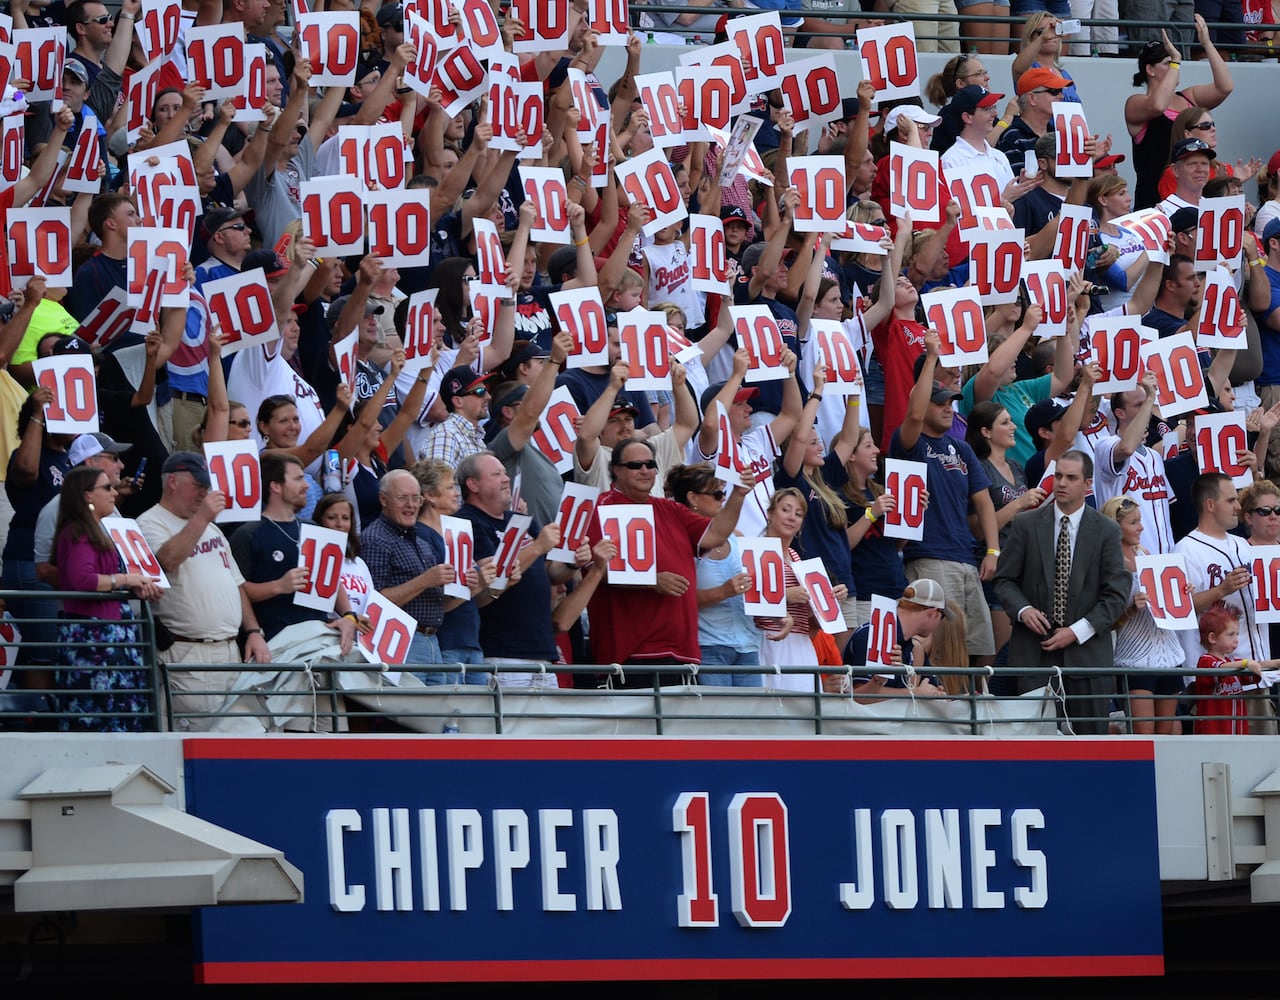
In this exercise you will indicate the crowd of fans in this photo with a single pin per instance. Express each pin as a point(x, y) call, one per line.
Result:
point(458, 438)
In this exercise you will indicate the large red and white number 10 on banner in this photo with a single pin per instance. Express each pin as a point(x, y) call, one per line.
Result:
point(763, 561)
point(631, 528)
point(1164, 578)
point(905, 482)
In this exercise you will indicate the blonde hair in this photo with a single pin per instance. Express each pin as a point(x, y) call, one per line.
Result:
point(947, 648)
point(1250, 494)
point(854, 495)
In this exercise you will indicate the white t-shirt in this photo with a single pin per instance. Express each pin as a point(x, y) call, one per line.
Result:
point(203, 599)
point(261, 371)
point(759, 450)
point(1143, 480)
point(358, 583)
point(993, 161)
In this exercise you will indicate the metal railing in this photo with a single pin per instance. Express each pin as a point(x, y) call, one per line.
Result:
point(59, 685)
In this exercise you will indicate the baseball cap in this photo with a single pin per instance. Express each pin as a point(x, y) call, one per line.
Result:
point(273, 266)
point(1103, 162)
point(943, 394)
point(928, 593)
point(1186, 147)
point(371, 308)
point(561, 264)
point(76, 68)
point(732, 213)
point(913, 111)
point(1213, 406)
point(1272, 232)
point(522, 351)
point(848, 109)
point(513, 396)
point(969, 99)
point(458, 381)
point(71, 345)
point(743, 395)
point(751, 257)
point(188, 461)
point(1034, 79)
point(87, 445)
point(217, 217)
point(1184, 220)
point(390, 14)
point(623, 405)
point(1041, 416)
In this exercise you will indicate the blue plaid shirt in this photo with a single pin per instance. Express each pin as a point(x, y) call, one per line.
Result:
point(395, 555)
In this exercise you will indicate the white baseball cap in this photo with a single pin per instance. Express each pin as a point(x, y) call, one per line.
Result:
point(913, 111)
point(929, 594)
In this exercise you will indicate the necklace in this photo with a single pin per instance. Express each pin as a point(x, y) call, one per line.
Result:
point(280, 528)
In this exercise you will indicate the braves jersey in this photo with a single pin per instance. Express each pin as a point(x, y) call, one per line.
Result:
point(1209, 560)
point(1142, 479)
point(758, 449)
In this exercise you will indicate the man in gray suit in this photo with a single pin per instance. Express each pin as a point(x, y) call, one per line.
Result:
point(1062, 579)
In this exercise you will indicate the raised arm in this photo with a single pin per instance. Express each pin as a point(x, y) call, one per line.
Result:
point(921, 392)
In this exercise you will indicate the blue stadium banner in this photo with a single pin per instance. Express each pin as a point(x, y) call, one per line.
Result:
point(458, 858)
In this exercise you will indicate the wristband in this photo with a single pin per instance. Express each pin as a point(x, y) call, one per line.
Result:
point(1246, 664)
point(816, 395)
point(253, 631)
point(355, 619)
point(1002, 124)
point(403, 90)
point(870, 515)
point(993, 552)
point(1174, 65)
point(582, 242)
point(1256, 261)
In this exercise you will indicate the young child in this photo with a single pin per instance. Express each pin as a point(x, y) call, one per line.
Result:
point(1220, 705)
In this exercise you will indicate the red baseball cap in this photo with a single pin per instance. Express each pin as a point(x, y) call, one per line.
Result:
point(1102, 162)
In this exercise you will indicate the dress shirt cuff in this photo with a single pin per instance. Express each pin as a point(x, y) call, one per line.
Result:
point(1083, 631)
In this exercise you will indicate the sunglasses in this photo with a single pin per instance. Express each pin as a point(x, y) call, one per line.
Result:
point(637, 466)
point(716, 495)
point(878, 222)
point(104, 19)
point(1055, 91)
point(240, 423)
point(239, 227)
point(1204, 127)
point(1265, 511)
point(477, 391)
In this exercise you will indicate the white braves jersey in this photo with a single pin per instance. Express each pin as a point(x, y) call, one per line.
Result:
point(671, 280)
point(1142, 479)
point(1209, 560)
point(757, 448)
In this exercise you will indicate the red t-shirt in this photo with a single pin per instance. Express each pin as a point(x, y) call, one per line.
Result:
point(1256, 12)
point(898, 342)
point(633, 623)
point(1220, 710)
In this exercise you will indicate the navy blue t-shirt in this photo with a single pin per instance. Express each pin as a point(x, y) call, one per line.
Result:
point(876, 563)
point(855, 655)
point(955, 474)
point(264, 551)
point(517, 624)
point(817, 538)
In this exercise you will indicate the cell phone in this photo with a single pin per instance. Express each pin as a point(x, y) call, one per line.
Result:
point(1030, 165)
point(1069, 27)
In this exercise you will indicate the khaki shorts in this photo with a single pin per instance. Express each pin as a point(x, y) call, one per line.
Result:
point(961, 584)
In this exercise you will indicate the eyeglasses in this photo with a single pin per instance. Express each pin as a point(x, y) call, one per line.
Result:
point(716, 495)
point(240, 423)
point(637, 466)
point(239, 227)
point(408, 498)
point(1204, 127)
point(1056, 91)
point(878, 222)
point(106, 486)
point(1265, 511)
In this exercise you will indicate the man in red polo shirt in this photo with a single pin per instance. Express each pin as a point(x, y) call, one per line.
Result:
point(655, 625)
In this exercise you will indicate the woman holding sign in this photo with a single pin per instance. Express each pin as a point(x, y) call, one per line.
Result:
point(874, 559)
point(787, 640)
point(107, 678)
point(726, 635)
point(1141, 646)
point(280, 426)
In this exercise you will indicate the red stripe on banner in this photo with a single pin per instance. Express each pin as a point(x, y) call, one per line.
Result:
point(984, 967)
point(458, 747)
